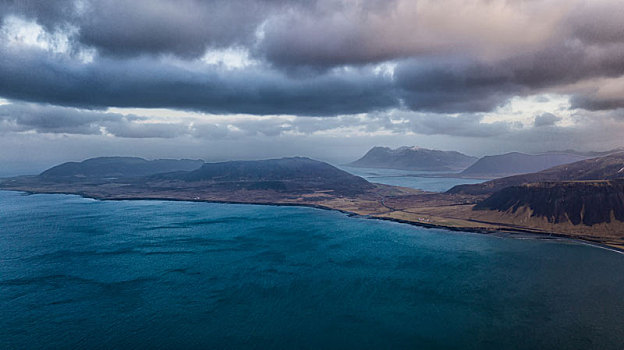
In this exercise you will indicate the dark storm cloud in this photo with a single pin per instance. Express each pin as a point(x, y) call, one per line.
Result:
point(144, 82)
point(53, 119)
point(128, 28)
point(49, 13)
point(467, 85)
point(456, 86)
point(317, 57)
point(49, 119)
point(183, 27)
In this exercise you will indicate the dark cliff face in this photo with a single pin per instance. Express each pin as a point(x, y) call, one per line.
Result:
point(106, 167)
point(287, 174)
point(601, 168)
point(413, 158)
point(587, 203)
point(519, 163)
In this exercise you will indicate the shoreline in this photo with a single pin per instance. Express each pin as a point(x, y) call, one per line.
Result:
point(509, 231)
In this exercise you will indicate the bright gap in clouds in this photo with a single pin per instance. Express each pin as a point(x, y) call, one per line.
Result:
point(525, 109)
point(19, 33)
point(229, 58)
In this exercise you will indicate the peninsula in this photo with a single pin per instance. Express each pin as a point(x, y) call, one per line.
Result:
point(582, 200)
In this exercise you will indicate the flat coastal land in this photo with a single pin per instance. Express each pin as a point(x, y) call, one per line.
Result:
point(428, 209)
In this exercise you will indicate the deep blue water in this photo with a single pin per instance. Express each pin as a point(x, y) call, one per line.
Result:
point(78, 273)
point(421, 180)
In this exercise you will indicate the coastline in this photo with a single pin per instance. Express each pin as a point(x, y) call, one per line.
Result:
point(509, 231)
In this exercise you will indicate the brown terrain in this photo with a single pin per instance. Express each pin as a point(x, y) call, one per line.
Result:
point(588, 205)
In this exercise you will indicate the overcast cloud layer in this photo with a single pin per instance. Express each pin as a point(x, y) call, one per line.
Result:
point(358, 68)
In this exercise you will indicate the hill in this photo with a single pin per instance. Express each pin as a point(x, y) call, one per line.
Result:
point(601, 168)
point(519, 163)
point(296, 174)
point(414, 158)
point(118, 167)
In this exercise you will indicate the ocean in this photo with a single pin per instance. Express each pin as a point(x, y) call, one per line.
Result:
point(79, 273)
point(422, 180)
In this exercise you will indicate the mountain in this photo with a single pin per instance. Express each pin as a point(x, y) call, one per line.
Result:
point(519, 163)
point(578, 202)
point(118, 167)
point(601, 168)
point(414, 158)
point(297, 174)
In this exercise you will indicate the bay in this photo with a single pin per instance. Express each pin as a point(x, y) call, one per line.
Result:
point(88, 274)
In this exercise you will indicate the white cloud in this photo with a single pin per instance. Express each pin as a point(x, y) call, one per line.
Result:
point(229, 58)
point(18, 33)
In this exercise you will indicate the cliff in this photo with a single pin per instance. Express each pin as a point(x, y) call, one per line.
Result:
point(576, 202)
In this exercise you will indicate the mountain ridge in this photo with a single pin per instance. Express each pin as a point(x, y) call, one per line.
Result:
point(600, 168)
point(514, 163)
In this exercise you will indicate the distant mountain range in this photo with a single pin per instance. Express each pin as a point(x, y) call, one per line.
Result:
point(487, 167)
point(414, 158)
point(118, 167)
point(519, 163)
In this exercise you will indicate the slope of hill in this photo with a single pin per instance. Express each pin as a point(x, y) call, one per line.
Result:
point(414, 158)
point(519, 163)
point(601, 168)
point(105, 167)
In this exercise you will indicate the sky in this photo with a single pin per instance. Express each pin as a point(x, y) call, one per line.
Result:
point(328, 79)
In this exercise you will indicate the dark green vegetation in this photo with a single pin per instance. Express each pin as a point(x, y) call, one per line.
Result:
point(586, 202)
point(414, 158)
point(602, 168)
point(519, 163)
point(118, 167)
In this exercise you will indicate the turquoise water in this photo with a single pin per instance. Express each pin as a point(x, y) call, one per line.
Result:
point(422, 180)
point(78, 273)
